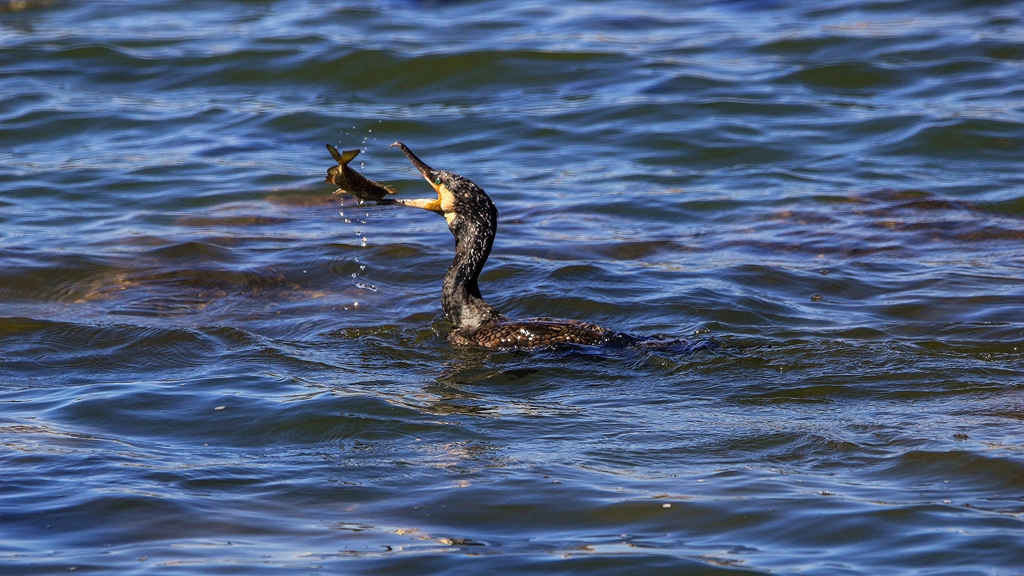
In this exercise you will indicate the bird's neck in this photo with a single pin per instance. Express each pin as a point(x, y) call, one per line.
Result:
point(463, 305)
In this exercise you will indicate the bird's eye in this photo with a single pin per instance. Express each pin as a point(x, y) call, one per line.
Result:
point(437, 180)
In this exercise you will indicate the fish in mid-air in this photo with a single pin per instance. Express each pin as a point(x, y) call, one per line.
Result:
point(351, 182)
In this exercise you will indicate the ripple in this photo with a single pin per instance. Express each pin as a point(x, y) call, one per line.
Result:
point(851, 78)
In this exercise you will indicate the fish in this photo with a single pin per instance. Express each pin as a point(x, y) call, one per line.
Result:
point(351, 182)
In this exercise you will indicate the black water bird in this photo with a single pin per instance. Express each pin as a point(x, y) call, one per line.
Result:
point(473, 221)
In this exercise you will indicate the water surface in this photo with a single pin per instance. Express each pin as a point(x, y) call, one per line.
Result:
point(208, 365)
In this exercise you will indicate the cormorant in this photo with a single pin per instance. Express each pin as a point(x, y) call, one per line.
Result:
point(473, 221)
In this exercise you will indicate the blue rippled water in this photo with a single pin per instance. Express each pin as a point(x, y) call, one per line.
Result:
point(209, 365)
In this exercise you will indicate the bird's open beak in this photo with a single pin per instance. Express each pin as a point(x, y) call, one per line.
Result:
point(426, 171)
point(429, 174)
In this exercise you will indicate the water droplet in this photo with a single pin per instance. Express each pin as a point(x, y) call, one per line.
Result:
point(342, 213)
point(362, 266)
point(364, 241)
point(354, 274)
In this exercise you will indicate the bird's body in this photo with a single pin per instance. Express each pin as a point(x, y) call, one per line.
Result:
point(473, 221)
point(533, 333)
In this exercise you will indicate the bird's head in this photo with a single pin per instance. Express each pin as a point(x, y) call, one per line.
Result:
point(459, 199)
